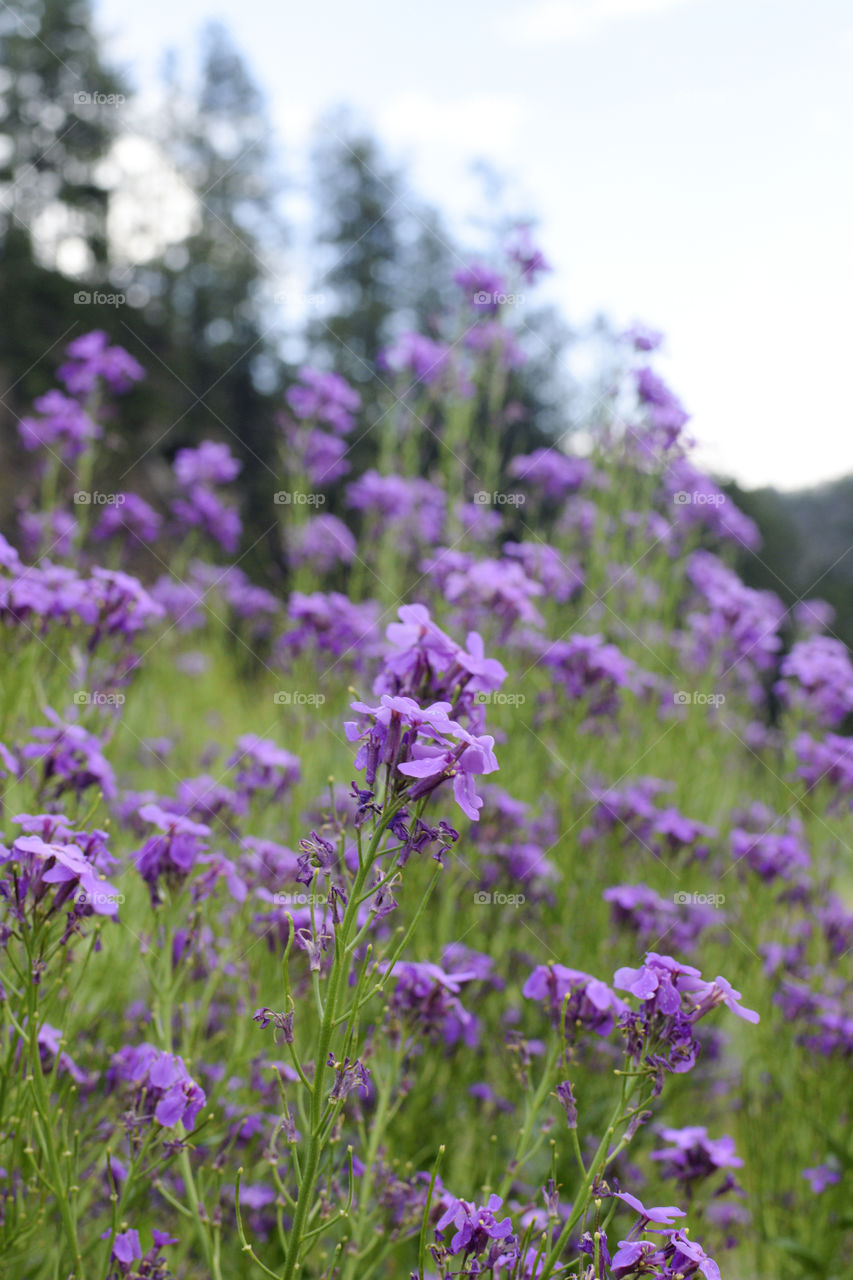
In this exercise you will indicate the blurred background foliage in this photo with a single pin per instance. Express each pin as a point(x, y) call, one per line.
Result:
point(177, 208)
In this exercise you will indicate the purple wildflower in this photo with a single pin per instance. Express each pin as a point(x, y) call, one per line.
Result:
point(162, 1082)
point(91, 359)
point(62, 426)
point(324, 397)
point(661, 1215)
point(692, 1156)
point(211, 463)
point(477, 1229)
point(483, 286)
point(822, 1176)
point(574, 999)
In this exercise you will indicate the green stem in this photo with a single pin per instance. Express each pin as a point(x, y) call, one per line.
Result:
point(167, 989)
point(581, 1200)
point(46, 1129)
point(522, 1154)
point(324, 1039)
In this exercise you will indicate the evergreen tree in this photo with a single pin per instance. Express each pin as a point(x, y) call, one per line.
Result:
point(218, 367)
point(360, 208)
point(60, 108)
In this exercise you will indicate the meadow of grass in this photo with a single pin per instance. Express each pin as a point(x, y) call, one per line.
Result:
point(234, 959)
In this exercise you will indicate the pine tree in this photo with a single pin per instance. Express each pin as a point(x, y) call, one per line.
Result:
point(360, 202)
point(217, 362)
point(60, 109)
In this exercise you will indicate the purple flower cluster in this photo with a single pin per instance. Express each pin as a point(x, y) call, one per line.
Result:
point(332, 624)
point(426, 1001)
point(482, 1241)
point(771, 846)
point(590, 670)
point(127, 1251)
point(63, 426)
point(665, 411)
point(413, 509)
point(695, 503)
point(631, 813)
point(552, 473)
point(132, 516)
point(164, 1090)
point(576, 1001)
point(172, 854)
point(673, 996)
point(325, 398)
point(589, 576)
point(676, 1256)
point(420, 358)
point(52, 867)
point(528, 257)
point(91, 360)
point(68, 758)
point(561, 579)
point(650, 917)
point(198, 473)
point(691, 1156)
point(423, 744)
point(321, 543)
point(483, 286)
point(817, 676)
point(737, 631)
point(497, 587)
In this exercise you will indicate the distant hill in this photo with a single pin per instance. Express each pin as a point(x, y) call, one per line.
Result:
point(807, 549)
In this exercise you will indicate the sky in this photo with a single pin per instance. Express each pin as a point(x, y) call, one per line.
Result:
point(688, 162)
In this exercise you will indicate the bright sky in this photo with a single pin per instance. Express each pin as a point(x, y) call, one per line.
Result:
point(689, 161)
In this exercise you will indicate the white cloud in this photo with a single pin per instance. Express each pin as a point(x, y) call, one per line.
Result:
point(560, 21)
point(439, 139)
point(486, 125)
